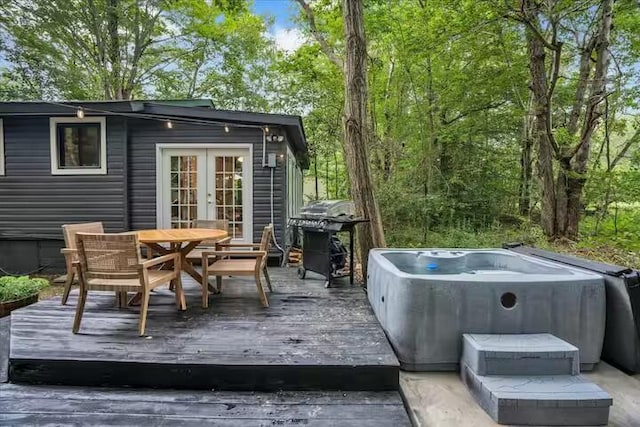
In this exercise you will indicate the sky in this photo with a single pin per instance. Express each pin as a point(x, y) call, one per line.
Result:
point(284, 30)
point(281, 10)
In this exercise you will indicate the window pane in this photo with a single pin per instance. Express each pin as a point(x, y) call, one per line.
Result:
point(78, 145)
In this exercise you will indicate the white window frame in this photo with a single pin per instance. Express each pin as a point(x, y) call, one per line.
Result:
point(162, 180)
point(53, 134)
point(1, 148)
point(295, 194)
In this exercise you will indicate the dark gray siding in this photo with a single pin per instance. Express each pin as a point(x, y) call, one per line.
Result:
point(34, 204)
point(145, 134)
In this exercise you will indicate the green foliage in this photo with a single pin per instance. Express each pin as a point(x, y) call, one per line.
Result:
point(448, 97)
point(18, 287)
point(466, 237)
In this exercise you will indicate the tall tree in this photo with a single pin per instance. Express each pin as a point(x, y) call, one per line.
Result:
point(567, 145)
point(357, 135)
point(356, 131)
point(112, 49)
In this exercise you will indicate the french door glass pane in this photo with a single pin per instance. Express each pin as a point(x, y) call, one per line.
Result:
point(228, 192)
point(184, 193)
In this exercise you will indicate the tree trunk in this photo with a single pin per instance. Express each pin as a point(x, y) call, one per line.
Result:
point(526, 171)
point(593, 113)
point(356, 133)
point(540, 108)
point(113, 50)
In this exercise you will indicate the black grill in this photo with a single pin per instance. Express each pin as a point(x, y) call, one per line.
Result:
point(322, 251)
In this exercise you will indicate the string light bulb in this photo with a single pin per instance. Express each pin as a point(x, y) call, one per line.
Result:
point(169, 124)
point(266, 129)
point(226, 129)
point(80, 113)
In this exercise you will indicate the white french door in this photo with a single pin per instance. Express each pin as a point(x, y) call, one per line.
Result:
point(206, 183)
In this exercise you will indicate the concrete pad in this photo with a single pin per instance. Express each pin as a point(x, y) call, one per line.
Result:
point(624, 390)
point(435, 399)
point(519, 354)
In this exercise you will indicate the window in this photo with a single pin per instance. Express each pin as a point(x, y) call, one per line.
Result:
point(78, 146)
point(294, 186)
point(1, 148)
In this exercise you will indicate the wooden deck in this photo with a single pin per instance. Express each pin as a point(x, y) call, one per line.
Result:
point(50, 405)
point(310, 338)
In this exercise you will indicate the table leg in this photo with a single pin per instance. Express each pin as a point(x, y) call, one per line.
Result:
point(187, 267)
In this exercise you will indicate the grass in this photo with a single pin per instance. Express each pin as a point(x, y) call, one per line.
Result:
point(617, 240)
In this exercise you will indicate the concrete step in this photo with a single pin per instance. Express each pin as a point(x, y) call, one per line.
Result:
point(568, 400)
point(522, 354)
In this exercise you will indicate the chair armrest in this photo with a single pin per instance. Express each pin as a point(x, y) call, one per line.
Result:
point(70, 256)
point(246, 254)
point(161, 259)
point(238, 245)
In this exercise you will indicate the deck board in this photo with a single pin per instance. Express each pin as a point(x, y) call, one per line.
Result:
point(5, 324)
point(310, 338)
point(81, 406)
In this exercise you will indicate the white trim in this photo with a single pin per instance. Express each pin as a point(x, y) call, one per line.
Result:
point(53, 137)
point(1, 148)
point(162, 180)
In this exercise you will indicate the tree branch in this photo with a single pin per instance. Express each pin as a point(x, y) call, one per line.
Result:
point(635, 139)
point(471, 111)
point(557, 55)
point(322, 41)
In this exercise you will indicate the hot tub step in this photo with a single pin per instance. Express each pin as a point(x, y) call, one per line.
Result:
point(539, 400)
point(519, 354)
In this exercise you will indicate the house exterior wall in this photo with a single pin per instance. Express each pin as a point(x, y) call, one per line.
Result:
point(34, 203)
point(144, 135)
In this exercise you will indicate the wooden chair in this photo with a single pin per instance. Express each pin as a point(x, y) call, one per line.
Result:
point(237, 263)
point(216, 224)
point(112, 262)
point(70, 253)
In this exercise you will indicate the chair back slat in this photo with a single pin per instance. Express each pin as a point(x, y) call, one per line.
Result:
point(70, 230)
point(214, 224)
point(266, 238)
point(109, 256)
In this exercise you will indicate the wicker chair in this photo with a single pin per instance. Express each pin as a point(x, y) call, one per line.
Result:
point(112, 262)
point(237, 263)
point(216, 224)
point(70, 253)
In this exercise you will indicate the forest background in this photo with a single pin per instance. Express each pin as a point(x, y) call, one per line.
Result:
point(488, 121)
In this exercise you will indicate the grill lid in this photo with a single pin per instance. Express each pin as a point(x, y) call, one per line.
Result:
point(329, 209)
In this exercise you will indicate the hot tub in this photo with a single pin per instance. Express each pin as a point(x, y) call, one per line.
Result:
point(425, 299)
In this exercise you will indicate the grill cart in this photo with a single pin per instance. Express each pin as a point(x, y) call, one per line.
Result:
point(322, 250)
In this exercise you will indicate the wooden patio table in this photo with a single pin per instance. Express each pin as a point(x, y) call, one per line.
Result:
point(182, 241)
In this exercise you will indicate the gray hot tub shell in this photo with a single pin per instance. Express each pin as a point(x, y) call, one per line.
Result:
point(425, 312)
point(622, 334)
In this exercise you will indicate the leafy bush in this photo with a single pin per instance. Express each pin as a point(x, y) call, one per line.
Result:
point(18, 287)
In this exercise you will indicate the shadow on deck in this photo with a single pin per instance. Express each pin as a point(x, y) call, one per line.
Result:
point(310, 338)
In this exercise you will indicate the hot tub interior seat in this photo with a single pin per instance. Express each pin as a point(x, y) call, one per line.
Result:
point(460, 262)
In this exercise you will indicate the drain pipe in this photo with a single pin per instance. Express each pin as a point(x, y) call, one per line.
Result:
point(275, 241)
point(272, 165)
point(264, 147)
